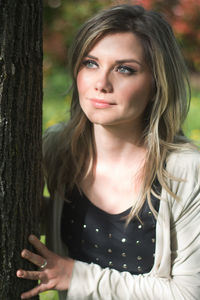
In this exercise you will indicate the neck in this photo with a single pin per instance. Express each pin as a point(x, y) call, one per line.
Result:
point(118, 144)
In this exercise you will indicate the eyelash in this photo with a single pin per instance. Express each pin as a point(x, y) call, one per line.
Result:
point(128, 70)
point(89, 61)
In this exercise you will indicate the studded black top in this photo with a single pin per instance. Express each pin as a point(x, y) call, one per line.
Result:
point(95, 236)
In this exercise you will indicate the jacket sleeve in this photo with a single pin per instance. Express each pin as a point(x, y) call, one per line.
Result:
point(180, 275)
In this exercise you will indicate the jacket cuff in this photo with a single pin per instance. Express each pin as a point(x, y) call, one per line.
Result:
point(82, 283)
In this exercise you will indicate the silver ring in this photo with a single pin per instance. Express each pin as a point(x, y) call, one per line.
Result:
point(44, 265)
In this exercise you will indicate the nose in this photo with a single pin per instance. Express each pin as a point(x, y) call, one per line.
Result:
point(103, 83)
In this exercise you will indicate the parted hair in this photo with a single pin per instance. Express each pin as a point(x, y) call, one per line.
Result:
point(69, 155)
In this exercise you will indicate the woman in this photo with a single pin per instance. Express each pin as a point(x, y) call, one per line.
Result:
point(124, 180)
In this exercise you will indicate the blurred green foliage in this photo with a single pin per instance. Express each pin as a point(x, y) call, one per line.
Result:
point(56, 97)
point(192, 124)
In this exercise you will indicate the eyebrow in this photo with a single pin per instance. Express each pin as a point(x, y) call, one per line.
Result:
point(118, 61)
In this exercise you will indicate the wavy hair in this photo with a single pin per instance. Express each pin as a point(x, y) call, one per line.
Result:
point(75, 154)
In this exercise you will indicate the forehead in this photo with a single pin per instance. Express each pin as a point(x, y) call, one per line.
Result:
point(125, 44)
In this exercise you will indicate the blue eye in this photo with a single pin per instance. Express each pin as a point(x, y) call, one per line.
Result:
point(125, 70)
point(90, 64)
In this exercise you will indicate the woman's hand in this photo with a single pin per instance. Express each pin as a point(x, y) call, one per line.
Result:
point(55, 271)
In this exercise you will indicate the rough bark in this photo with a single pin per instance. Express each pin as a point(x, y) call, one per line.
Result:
point(20, 137)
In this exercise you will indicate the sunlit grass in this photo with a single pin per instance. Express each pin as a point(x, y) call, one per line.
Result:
point(49, 295)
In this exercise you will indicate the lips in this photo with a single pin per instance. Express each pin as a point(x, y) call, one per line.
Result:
point(101, 103)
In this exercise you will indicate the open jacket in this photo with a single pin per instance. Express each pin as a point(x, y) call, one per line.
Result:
point(176, 271)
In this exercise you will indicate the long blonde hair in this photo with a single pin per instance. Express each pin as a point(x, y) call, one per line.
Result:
point(71, 155)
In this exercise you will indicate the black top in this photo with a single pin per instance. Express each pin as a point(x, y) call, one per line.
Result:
point(95, 236)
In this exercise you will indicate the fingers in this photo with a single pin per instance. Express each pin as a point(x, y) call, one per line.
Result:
point(35, 291)
point(31, 275)
point(38, 260)
point(33, 258)
point(40, 247)
point(39, 276)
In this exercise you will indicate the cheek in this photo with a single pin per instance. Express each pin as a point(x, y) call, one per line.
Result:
point(141, 90)
point(82, 86)
point(131, 94)
point(83, 83)
point(80, 83)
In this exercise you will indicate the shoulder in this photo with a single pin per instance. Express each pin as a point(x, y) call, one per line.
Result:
point(52, 148)
point(54, 129)
point(183, 167)
point(51, 136)
point(183, 161)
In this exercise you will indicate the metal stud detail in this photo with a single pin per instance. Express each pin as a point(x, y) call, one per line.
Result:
point(124, 266)
point(153, 240)
point(140, 226)
point(97, 230)
point(110, 263)
point(124, 254)
point(84, 226)
point(109, 250)
point(123, 240)
point(139, 268)
point(110, 235)
point(138, 242)
point(139, 258)
point(96, 246)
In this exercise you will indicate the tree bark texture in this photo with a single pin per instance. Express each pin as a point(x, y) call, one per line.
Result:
point(20, 137)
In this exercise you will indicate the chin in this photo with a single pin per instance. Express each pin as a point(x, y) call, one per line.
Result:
point(97, 119)
point(104, 122)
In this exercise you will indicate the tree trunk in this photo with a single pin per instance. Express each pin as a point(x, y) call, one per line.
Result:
point(20, 137)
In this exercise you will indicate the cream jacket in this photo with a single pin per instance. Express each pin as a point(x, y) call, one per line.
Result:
point(176, 271)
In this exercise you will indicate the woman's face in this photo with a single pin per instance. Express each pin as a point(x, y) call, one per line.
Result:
point(114, 83)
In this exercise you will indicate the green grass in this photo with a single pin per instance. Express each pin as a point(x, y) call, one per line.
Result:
point(49, 295)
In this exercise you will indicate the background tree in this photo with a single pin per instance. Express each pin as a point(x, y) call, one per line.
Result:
point(20, 136)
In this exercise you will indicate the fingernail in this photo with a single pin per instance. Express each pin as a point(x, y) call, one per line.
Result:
point(31, 238)
point(20, 273)
point(25, 254)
